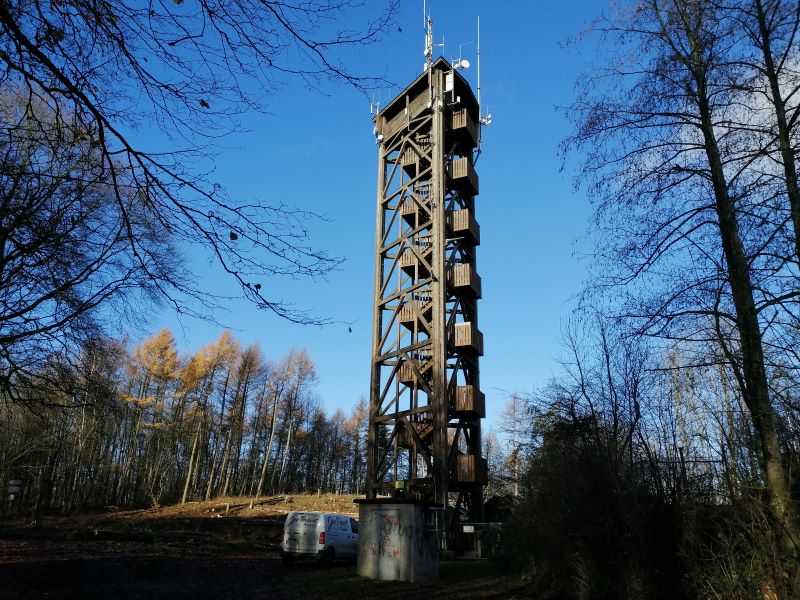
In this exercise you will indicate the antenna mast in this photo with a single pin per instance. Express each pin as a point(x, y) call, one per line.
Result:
point(487, 118)
point(428, 37)
point(479, 66)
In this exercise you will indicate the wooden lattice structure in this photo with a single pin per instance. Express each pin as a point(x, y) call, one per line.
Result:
point(425, 402)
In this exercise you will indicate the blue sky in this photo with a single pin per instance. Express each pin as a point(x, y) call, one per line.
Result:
point(316, 151)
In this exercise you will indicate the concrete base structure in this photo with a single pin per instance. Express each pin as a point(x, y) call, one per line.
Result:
point(394, 543)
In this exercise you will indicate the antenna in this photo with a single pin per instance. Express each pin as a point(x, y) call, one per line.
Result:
point(487, 118)
point(375, 109)
point(375, 105)
point(479, 65)
point(428, 38)
point(461, 63)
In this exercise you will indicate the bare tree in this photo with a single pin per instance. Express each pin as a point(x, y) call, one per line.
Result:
point(303, 374)
point(142, 426)
point(691, 234)
point(87, 211)
point(62, 230)
point(515, 426)
point(771, 80)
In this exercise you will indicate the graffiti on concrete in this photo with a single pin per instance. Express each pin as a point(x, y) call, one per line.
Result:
point(386, 527)
point(392, 536)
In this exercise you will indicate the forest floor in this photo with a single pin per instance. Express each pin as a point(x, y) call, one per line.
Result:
point(221, 550)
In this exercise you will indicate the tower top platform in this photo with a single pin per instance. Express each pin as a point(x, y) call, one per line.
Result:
point(461, 89)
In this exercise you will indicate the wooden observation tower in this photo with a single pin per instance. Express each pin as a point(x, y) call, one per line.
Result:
point(426, 406)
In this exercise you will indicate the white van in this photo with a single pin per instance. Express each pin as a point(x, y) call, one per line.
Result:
point(322, 536)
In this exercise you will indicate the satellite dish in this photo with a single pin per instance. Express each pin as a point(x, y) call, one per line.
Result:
point(461, 63)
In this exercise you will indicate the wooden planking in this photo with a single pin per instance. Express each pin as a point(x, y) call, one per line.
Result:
point(415, 106)
point(464, 280)
point(462, 224)
point(410, 259)
point(419, 151)
point(463, 174)
point(471, 469)
point(465, 336)
point(406, 374)
point(405, 437)
point(463, 126)
point(469, 400)
point(410, 310)
point(410, 211)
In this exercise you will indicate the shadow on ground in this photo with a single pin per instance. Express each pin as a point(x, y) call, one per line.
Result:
point(101, 570)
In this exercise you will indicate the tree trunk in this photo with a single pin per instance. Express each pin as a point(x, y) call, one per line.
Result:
point(268, 450)
point(192, 459)
point(784, 131)
point(285, 457)
point(756, 392)
point(211, 474)
point(224, 471)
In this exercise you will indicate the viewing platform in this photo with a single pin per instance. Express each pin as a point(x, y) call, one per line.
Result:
point(406, 374)
point(470, 402)
point(471, 470)
point(410, 261)
point(405, 436)
point(466, 338)
point(413, 212)
point(416, 156)
point(411, 311)
point(461, 224)
point(462, 176)
point(464, 281)
point(463, 129)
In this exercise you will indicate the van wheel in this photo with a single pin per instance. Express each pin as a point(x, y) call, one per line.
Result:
point(287, 560)
point(329, 556)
